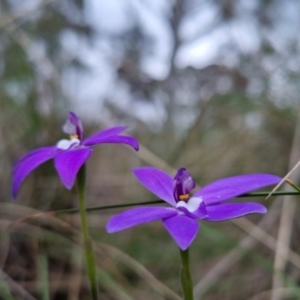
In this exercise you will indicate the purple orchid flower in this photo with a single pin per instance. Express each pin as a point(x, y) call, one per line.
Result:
point(69, 155)
point(207, 203)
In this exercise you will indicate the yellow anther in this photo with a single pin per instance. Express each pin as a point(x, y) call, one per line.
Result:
point(73, 136)
point(184, 197)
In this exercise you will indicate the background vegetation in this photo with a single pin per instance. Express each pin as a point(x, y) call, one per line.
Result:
point(209, 85)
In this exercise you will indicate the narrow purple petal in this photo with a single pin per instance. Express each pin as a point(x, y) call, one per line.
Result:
point(157, 181)
point(138, 216)
point(68, 163)
point(227, 211)
point(183, 229)
point(93, 139)
point(28, 163)
point(227, 188)
point(116, 139)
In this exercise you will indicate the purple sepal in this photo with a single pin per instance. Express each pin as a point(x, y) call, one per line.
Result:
point(100, 135)
point(111, 136)
point(28, 163)
point(136, 216)
point(227, 211)
point(120, 139)
point(68, 163)
point(183, 230)
point(231, 187)
point(157, 181)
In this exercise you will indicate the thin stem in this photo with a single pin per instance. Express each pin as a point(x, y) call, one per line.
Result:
point(291, 183)
point(264, 194)
point(186, 278)
point(104, 207)
point(88, 247)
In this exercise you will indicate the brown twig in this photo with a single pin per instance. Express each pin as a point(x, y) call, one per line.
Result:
point(286, 219)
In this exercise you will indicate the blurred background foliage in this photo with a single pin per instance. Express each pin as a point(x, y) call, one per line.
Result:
point(209, 85)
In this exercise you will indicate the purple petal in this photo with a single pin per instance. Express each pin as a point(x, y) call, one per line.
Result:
point(157, 181)
point(68, 163)
point(116, 139)
point(232, 187)
point(138, 216)
point(221, 212)
point(28, 163)
point(100, 135)
point(183, 229)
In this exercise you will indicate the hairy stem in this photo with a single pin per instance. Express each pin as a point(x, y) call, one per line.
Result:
point(88, 247)
point(186, 278)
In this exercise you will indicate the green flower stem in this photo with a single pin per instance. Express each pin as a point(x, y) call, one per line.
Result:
point(104, 207)
point(96, 208)
point(88, 247)
point(186, 278)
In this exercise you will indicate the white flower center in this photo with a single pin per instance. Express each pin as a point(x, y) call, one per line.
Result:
point(192, 205)
point(67, 144)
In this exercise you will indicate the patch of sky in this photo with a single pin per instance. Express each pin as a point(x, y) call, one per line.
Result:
point(155, 62)
point(205, 41)
point(204, 51)
point(24, 5)
point(198, 22)
point(108, 16)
